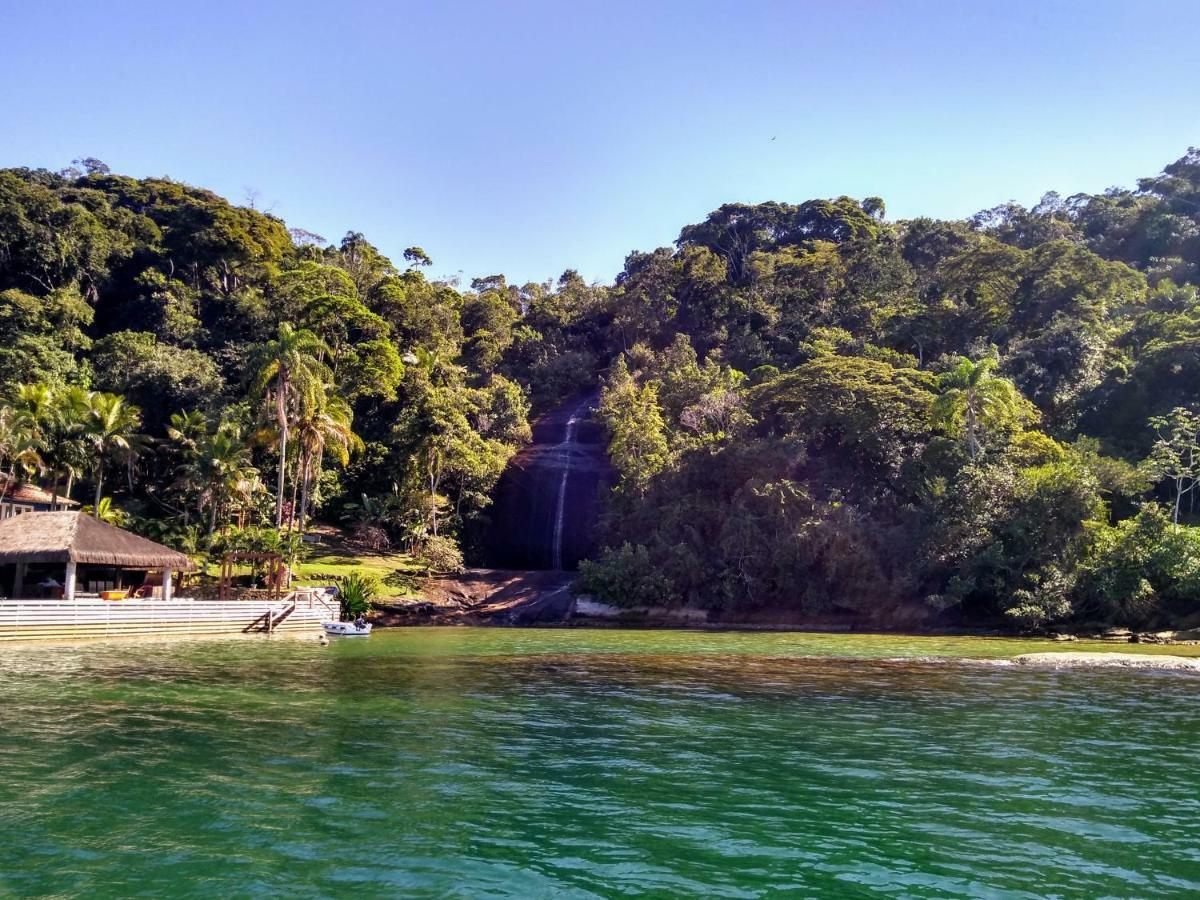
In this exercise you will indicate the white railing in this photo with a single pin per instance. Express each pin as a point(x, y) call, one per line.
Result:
point(86, 617)
point(315, 599)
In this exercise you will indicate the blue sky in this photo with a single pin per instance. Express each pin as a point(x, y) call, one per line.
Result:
point(528, 137)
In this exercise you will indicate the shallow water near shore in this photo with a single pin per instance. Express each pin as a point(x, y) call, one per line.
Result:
point(578, 763)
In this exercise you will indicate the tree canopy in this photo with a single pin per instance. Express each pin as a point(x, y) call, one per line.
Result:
point(807, 404)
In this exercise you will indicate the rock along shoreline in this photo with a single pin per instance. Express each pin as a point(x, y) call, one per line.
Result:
point(1105, 660)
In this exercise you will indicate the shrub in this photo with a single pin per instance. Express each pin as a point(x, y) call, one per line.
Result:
point(357, 593)
point(441, 554)
point(1045, 600)
point(1140, 565)
point(625, 576)
point(370, 537)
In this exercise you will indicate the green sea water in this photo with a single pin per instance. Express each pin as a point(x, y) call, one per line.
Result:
point(563, 763)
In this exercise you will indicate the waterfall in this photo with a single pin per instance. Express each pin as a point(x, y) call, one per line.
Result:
point(547, 504)
point(565, 452)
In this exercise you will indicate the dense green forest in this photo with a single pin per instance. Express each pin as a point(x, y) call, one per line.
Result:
point(990, 420)
point(210, 366)
point(810, 407)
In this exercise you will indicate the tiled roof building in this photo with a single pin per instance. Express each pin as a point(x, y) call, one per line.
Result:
point(23, 497)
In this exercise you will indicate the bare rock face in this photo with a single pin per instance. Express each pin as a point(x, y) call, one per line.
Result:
point(501, 597)
point(541, 523)
point(545, 508)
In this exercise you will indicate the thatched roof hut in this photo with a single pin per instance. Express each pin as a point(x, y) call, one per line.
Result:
point(73, 537)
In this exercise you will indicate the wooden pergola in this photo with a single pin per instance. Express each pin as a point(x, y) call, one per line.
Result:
point(275, 572)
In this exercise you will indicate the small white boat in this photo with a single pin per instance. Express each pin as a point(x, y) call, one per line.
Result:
point(345, 629)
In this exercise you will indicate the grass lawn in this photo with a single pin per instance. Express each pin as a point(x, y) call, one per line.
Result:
point(390, 569)
point(395, 571)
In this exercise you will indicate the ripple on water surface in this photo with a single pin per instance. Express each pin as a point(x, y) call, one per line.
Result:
point(497, 763)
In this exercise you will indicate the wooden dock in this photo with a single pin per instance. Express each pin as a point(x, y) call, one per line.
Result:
point(31, 620)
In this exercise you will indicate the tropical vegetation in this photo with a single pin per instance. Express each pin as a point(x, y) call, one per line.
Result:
point(991, 421)
point(809, 407)
point(198, 367)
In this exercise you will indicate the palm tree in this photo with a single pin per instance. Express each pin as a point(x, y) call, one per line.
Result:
point(188, 429)
point(974, 401)
point(290, 377)
point(56, 418)
point(35, 404)
point(19, 446)
point(70, 447)
point(106, 512)
point(110, 427)
point(220, 467)
point(326, 427)
point(34, 409)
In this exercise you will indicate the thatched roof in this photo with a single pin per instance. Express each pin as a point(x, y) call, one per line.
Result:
point(75, 537)
point(24, 492)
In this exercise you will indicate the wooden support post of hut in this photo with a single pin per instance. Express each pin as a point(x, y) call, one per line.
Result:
point(79, 549)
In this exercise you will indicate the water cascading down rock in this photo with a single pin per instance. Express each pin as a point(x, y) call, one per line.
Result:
point(546, 505)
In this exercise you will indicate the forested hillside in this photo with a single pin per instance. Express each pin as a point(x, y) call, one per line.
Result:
point(986, 421)
point(811, 407)
point(179, 347)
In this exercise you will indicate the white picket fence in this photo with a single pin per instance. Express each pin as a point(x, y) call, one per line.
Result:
point(63, 619)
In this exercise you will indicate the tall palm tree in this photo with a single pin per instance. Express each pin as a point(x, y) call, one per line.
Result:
point(70, 447)
point(34, 408)
point(217, 471)
point(290, 377)
point(19, 446)
point(56, 417)
point(187, 431)
point(35, 403)
point(110, 427)
point(327, 427)
point(973, 401)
